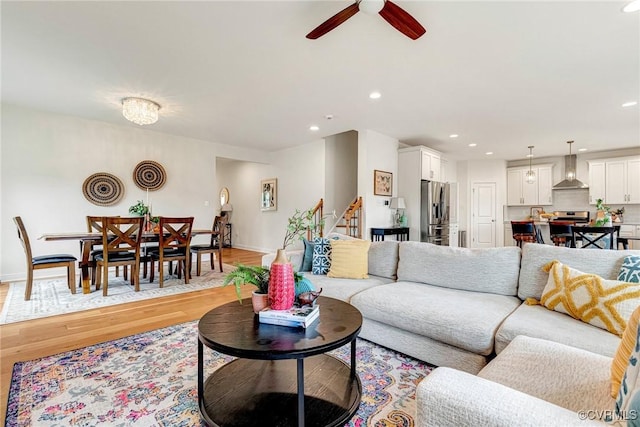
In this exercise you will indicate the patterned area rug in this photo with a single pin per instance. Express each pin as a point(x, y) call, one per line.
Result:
point(52, 297)
point(150, 380)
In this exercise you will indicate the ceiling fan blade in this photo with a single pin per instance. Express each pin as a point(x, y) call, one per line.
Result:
point(333, 22)
point(401, 20)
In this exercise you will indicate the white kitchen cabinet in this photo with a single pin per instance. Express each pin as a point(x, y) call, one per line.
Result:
point(596, 181)
point(453, 235)
point(622, 181)
point(430, 165)
point(522, 193)
point(508, 235)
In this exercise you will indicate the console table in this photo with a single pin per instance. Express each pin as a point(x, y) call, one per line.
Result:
point(401, 233)
point(282, 376)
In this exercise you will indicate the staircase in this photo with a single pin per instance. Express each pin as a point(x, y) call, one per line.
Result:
point(351, 220)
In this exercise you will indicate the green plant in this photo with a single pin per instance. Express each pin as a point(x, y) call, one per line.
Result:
point(606, 217)
point(139, 208)
point(297, 225)
point(248, 274)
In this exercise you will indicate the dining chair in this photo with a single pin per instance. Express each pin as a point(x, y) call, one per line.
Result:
point(214, 246)
point(560, 232)
point(524, 231)
point(121, 239)
point(174, 240)
point(44, 261)
point(594, 237)
point(94, 224)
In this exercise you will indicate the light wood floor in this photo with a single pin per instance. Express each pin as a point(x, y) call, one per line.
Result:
point(43, 337)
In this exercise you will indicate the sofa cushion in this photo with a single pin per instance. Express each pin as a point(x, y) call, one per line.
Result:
point(343, 289)
point(566, 376)
point(490, 270)
point(630, 270)
point(349, 259)
point(606, 304)
point(540, 322)
point(467, 320)
point(604, 263)
point(383, 259)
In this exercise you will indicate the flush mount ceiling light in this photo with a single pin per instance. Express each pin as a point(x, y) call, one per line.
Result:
point(314, 128)
point(375, 95)
point(140, 111)
point(453, 135)
point(634, 6)
point(530, 176)
point(630, 104)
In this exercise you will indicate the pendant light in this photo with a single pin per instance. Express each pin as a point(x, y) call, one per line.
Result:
point(530, 176)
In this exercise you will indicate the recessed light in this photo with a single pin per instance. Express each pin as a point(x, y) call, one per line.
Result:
point(634, 6)
point(529, 155)
point(375, 95)
point(314, 128)
point(630, 104)
point(488, 153)
point(453, 135)
point(473, 144)
point(582, 149)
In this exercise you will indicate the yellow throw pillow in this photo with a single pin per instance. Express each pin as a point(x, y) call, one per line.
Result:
point(349, 259)
point(607, 304)
point(621, 358)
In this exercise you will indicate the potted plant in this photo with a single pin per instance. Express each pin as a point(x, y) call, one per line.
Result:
point(139, 208)
point(252, 275)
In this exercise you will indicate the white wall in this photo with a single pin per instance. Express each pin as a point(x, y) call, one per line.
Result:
point(376, 151)
point(300, 175)
point(46, 158)
point(341, 174)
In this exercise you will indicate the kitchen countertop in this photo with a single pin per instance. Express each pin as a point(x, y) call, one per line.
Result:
point(547, 223)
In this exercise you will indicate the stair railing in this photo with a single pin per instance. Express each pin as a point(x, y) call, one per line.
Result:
point(318, 224)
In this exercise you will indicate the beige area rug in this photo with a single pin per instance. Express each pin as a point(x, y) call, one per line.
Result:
point(50, 297)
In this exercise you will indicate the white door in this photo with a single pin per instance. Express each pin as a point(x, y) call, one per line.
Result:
point(483, 221)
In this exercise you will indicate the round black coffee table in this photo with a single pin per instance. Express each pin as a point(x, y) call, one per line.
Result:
point(282, 376)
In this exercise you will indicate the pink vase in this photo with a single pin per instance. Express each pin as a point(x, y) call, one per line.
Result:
point(281, 283)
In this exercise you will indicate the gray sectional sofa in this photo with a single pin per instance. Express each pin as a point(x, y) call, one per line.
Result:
point(459, 307)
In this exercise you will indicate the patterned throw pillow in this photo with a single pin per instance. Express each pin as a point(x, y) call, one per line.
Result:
point(630, 270)
point(349, 259)
point(628, 396)
point(607, 304)
point(625, 348)
point(321, 256)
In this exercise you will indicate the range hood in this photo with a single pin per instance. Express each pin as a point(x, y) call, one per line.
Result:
point(570, 182)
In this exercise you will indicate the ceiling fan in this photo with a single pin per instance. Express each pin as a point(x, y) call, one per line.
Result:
point(391, 12)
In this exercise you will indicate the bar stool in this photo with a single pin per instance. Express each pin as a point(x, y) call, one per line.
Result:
point(561, 234)
point(523, 231)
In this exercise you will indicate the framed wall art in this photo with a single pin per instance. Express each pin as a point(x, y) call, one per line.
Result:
point(382, 183)
point(269, 194)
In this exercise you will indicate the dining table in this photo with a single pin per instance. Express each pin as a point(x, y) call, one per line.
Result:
point(88, 239)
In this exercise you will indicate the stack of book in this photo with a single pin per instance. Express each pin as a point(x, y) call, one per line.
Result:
point(296, 317)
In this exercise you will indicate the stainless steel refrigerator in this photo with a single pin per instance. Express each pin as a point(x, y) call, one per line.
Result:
point(438, 212)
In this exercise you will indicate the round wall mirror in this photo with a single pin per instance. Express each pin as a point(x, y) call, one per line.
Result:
point(224, 196)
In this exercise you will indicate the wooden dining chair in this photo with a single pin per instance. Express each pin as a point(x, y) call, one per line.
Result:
point(523, 231)
point(560, 232)
point(214, 246)
point(121, 239)
point(94, 224)
point(174, 240)
point(44, 261)
point(594, 237)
